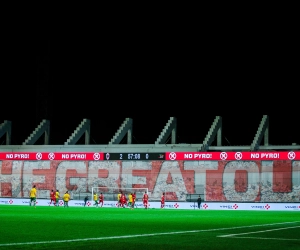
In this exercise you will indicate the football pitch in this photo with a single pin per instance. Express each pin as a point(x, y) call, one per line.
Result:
point(45, 227)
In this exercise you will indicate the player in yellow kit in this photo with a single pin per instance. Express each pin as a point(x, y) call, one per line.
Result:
point(96, 199)
point(129, 200)
point(66, 199)
point(32, 195)
point(57, 196)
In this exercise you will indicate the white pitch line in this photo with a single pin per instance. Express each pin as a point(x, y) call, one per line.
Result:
point(260, 238)
point(138, 235)
point(263, 231)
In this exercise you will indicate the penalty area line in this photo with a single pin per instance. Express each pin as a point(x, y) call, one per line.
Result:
point(255, 232)
point(259, 238)
point(137, 235)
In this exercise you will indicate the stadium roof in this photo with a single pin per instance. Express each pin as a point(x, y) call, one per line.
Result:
point(122, 139)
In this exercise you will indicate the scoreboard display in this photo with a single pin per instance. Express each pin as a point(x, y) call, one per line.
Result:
point(165, 156)
point(134, 156)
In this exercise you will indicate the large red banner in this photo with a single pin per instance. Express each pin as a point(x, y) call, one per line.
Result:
point(232, 156)
point(168, 156)
point(50, 156)
point(218, 180)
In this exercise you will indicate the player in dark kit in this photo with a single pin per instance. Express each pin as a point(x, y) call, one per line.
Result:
point(86, 198)
point(199, 202)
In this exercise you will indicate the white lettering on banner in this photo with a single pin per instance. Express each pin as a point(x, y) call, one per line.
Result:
point(17, 177)
point(61, 176)
point(177, 186)
point(188, 156)
point(21, 156)
point(29, 177)
point(200, 168)
point(111, 180)
point(202, 156)
point(128, 180)
point(14, 178)
point(266, 181)
point(65, 156)
point(229, 179)
point(270, 155)
point(9, 156)
point(78, 156)
point(296, 177)
point(254, 155)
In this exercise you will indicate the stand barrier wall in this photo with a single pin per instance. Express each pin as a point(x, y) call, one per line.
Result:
point(168, 205)
point(242, 181)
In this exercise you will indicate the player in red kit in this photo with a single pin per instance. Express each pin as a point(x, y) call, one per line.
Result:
point(52, 197)
point(133, 200)
point(162, 201)
point(123, 200)
point(145, 200)
point(101, 199)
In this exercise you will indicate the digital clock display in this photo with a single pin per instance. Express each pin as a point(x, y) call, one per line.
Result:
point(134, 156)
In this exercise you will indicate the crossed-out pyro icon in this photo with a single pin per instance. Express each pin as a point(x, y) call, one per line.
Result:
point(96, 156)
point(291, 155)
point(238, 155)
point(172, 156)
point(38, 156)
point(223, 156)
point(51, 156)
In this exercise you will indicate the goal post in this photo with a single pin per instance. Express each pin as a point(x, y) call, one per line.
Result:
point(110, 193)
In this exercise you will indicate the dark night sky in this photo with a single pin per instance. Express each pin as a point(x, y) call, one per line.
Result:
point(66, 81)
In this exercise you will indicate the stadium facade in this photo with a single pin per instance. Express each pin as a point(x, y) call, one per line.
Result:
point(257, 173)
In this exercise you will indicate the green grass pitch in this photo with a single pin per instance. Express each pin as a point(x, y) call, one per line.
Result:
point(43, 227)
